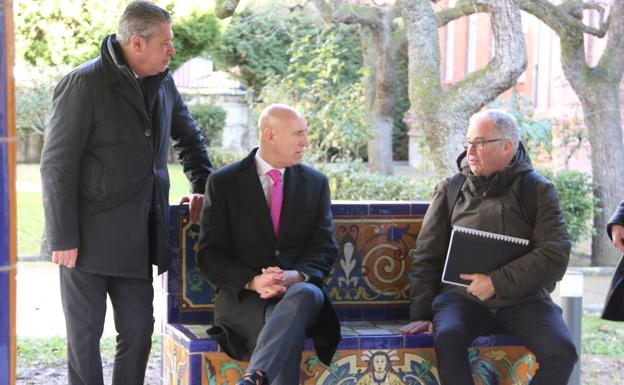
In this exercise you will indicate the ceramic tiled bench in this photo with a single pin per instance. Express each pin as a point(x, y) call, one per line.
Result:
point(369, 289)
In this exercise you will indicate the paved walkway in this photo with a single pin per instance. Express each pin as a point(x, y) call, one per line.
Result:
point(39, 312)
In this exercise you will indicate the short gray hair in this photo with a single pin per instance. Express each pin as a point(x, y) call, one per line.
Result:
point(504, 123)
point(140, 18)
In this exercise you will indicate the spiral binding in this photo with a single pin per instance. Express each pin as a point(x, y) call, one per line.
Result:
point(487, 234)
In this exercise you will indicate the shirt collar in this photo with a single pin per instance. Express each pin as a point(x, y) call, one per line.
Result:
point(263, 166)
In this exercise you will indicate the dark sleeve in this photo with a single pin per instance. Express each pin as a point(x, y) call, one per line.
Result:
point(428, 256)
point(617, 218)
point(547, 262)
point(321, 251)
point(66, 137)
point(214, 251)
point(188, 144)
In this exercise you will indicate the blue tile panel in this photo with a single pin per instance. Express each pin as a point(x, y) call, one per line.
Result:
point(5, 328)
point(358, 280)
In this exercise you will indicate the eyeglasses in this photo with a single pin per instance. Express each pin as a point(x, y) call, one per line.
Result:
point(478, 144)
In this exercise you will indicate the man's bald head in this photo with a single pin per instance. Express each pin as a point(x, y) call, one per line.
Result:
point(283, 135)
point(277, 112)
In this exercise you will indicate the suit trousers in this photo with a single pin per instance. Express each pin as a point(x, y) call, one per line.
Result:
point(83, 296)
point(282, 338)
point(537, 324)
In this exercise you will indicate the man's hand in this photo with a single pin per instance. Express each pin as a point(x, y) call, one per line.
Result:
point(195, 202)
point(416, 327)
point(65, 258)
point(271, 283)
point(480, 286)
point(617, 234)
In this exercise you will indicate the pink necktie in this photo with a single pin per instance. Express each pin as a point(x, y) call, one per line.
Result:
point(277, 195)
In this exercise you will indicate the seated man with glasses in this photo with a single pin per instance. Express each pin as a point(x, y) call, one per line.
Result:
point(513, 299)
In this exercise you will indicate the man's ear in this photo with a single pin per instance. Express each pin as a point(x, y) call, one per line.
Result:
point(508, 146)
point(137, 43)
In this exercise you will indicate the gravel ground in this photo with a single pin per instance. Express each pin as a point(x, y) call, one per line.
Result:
point(57, 375)
point(596, 370)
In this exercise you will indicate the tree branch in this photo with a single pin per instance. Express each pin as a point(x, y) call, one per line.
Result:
point(225, 8)
point(336, 11)
point(463, 8)
point(508, 63)
point(613, 56)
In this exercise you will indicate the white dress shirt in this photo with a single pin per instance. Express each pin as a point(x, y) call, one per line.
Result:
point(263, 168)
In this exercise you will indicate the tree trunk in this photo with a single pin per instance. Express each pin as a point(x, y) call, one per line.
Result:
point(381, 111)
point(602, 116)
point(443, 115)
point(598, 91)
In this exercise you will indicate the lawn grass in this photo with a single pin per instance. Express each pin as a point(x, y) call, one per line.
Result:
point(602, 337)
point(30, 205)
point(52, 351)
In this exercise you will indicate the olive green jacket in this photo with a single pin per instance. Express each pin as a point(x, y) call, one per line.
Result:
point(492, 204)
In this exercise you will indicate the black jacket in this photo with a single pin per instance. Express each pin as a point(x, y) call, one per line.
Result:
point(104, 166)
point(237, 240)
point(614, 305)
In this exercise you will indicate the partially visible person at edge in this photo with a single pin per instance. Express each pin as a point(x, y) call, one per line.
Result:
point(513, 299)
point(106, 189)
point(614, 305)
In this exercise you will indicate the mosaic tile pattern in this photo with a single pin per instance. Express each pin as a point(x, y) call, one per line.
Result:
point(369, 289)
point(368, 280)
point(376, 354)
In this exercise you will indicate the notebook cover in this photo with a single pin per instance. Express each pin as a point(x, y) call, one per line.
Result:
point(475, 251)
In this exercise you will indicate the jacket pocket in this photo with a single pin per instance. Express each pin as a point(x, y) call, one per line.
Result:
point(94, 182)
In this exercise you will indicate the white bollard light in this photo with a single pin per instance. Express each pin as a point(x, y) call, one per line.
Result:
point(571, 291)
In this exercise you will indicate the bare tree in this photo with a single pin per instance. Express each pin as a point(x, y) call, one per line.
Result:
point(442, 114)
point(597, 88)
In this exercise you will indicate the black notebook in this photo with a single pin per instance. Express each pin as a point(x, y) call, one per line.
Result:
point(475, 251)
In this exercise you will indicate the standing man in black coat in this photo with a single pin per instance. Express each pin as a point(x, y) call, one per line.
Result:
point(267, 242)
point(614, 306)
point(106, 187)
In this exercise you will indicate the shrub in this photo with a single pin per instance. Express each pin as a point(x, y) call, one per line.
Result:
point(353, 181)
point(211, 120)
point(220, 157)
point(576, 199)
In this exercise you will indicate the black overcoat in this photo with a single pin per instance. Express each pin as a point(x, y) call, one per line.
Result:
point(614, 304)
point(104, 166)
point(237, 240)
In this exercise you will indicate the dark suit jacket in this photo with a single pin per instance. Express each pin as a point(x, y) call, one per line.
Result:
point(614, 305)
point(237, 240)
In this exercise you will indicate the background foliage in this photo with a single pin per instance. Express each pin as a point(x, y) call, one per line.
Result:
point(210, 119)
point(326, 87)
point(194, 35)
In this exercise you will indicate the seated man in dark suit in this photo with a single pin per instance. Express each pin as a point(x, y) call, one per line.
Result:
point(267, 242)
point(494, 171)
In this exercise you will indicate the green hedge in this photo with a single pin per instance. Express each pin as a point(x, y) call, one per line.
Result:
point(219, 157)
point(210, 119)
point(354, 181)
point(576, 199)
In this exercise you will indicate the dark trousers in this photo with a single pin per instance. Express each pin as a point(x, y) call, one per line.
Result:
point(281, 341)
point(83, 297)
point(537, 324)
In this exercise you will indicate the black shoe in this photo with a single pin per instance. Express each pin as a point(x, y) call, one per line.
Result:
point(255, 377)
